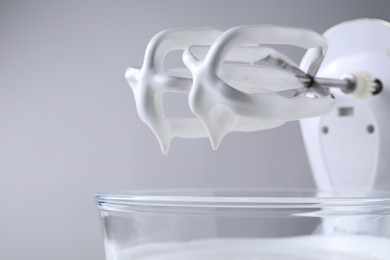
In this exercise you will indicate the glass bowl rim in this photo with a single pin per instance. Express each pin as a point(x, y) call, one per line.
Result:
point(246, 198)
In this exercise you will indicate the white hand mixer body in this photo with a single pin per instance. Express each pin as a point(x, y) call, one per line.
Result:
point(349, 147)
point(236, 84)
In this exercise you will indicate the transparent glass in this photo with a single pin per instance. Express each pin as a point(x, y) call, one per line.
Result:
point(245, 225)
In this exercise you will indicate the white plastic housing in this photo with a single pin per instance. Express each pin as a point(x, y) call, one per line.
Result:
point(349, 148)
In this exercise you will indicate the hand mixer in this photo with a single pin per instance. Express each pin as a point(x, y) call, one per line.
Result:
point(236, 82)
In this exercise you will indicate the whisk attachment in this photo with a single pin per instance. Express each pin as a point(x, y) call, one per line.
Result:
point(224, 108)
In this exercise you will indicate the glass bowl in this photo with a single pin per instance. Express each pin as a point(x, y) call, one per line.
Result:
point(245, 225)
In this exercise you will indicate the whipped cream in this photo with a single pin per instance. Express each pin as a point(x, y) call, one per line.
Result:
point(297, 248)
point(229, 87)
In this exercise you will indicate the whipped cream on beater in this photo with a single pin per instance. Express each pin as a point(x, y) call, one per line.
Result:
point(230, 87)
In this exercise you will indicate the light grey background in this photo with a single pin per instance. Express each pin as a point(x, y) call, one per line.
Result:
point(69, 128)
